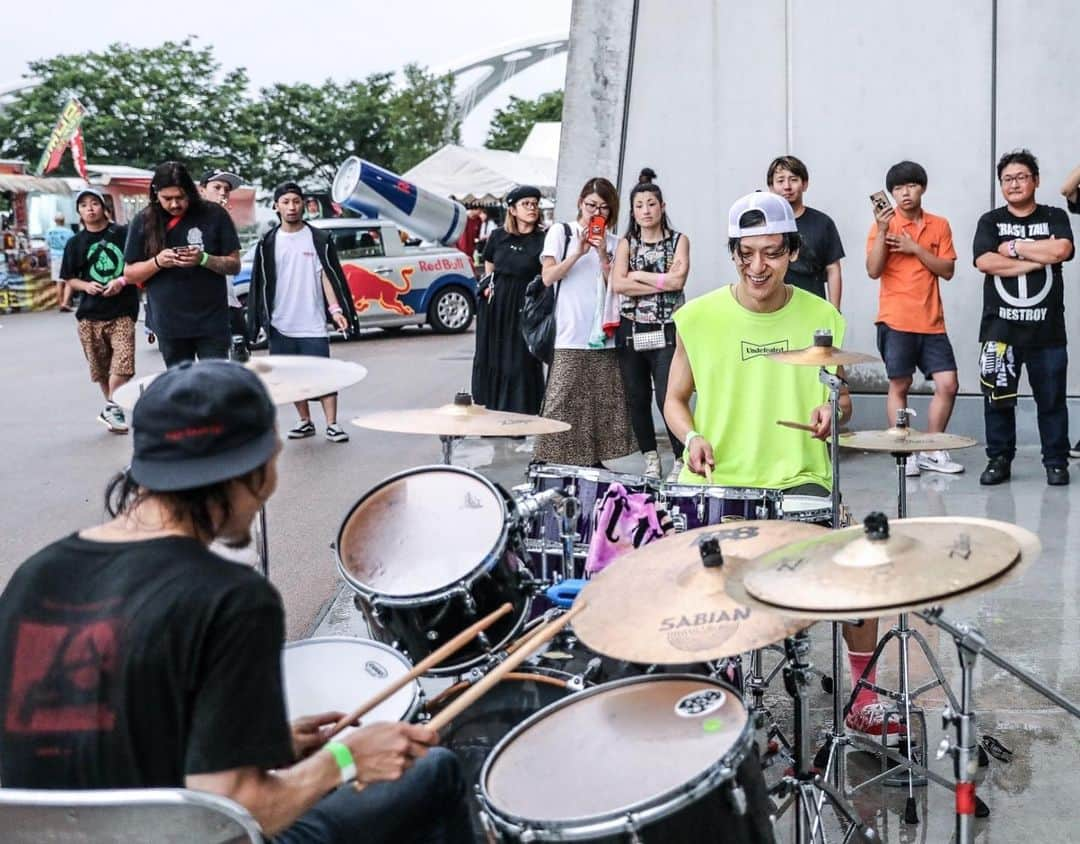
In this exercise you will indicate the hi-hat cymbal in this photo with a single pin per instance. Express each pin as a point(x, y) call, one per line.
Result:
point(903, 440)
point(849, 574)
point(288, 378)
point(460, 419)
point(822, 356)
point(661, 605)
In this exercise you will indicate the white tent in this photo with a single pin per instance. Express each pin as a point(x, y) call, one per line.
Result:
point(543, 140)
point(481, 175)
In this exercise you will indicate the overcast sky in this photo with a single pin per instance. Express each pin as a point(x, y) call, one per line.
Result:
point(280, 41)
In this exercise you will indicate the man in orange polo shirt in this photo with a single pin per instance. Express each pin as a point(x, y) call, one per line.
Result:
point(909, 249)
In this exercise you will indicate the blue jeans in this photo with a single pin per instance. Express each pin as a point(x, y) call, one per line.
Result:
point(426, 805)
point(1046, 371)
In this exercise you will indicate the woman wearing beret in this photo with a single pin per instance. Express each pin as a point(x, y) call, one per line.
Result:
point(505, 375)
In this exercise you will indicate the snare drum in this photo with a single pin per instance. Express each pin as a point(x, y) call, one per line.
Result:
point(338, 673)
point(815, 509)
point(693, 505)
point(649, 759)
point(428, 552)
point(543, 539)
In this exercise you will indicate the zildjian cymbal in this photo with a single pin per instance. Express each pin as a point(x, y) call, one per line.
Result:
point(903, 440)
point(661, 604)
point(462, 418)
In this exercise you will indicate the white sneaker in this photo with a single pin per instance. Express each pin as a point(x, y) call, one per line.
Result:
point(112, 417)
point(676, 470)
point(939, 461)
point(652, 465)
point(911, 469)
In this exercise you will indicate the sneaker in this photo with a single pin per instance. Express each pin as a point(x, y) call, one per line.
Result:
point(1057, 475)
point(112, 417)
point(335, 434)
point(238, 350)
point(939, 461)
point(997, 471)
point(652, 465)
point(1075, 450)
point(676, 470)
point(911, 468)
point(869, 721)
point(304, 428)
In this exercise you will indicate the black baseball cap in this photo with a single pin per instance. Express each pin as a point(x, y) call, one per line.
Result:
point(201, 423)
point(231, 179)
point(288, 187)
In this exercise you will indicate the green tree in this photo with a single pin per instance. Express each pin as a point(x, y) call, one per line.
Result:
point(511, 125)
point(144, 106)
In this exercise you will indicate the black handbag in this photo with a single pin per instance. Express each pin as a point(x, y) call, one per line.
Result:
point(538, 314)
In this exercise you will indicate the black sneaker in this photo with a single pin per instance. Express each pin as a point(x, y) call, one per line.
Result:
point(997, 471)
point(1057, 475)
point(303, 428)
point(1075, 450)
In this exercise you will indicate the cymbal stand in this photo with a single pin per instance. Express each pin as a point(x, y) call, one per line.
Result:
point(970, 644)
point(808, 790)
point(568, 509)
point(448, 448)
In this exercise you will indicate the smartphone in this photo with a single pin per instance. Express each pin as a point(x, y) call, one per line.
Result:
point(597, 226)
point(880, 201)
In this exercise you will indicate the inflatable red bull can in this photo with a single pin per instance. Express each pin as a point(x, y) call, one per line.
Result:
point(366, 189)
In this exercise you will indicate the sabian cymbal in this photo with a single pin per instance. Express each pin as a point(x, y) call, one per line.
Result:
point(462, 418)
point(822, 356)
point(661, 605)
point(905, 440)
point(849, 574)
point(288, 378)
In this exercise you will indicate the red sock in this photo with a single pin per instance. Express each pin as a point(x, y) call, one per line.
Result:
point(858, 664)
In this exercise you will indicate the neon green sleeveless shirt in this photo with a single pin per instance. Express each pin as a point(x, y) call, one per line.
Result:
point(741, 393)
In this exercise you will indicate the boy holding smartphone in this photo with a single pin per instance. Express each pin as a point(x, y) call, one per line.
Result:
point(909, 250)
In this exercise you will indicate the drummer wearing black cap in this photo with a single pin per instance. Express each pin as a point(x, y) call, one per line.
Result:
point(505, 374)
point(133, 657)
point(297, 286)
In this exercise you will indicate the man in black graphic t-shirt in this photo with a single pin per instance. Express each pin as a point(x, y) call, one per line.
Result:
point(180, 248)
point(131, 656)
point(1020, 247)
point(93, 263)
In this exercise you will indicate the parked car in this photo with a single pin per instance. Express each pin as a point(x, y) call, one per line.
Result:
point(394, 284)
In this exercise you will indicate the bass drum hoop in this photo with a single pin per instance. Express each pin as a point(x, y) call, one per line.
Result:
point(625, 819)
point(433, 596)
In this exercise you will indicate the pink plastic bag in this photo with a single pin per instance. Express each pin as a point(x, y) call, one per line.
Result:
point(622, 521)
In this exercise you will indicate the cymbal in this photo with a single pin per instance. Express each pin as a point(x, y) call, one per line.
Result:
point(846, 574)
point(822, 356)
point(904, 440)
point(288, 378)
point(661, 605)
point(460, 420)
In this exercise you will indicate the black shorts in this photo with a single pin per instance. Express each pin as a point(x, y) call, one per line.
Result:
point(902, 351)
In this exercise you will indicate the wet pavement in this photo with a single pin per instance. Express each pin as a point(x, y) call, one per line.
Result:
point(1031, 621)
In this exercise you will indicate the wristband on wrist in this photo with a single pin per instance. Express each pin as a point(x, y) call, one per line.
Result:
point(204, 259)
point(689, 439)
point(335, 309)
point(344, 758)
point(122, 280)
point(156, 264)
point(660, 281)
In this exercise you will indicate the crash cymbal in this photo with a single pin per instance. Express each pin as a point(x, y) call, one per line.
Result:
point(905, 440)
point(288, 378)
point(462, 418)
point(822, 356)
point(852, 574)
point(661, 605)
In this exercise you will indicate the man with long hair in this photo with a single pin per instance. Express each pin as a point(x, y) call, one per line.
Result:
point(131, 656)
point(181, 248)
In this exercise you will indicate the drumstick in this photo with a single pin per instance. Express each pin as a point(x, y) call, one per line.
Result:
point(437, 656)
point(798, 426)
point(708, 473)
point(542, 635)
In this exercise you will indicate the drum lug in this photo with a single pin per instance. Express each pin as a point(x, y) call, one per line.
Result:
point(738, 799)
point(468, 600)
point(678, 519)
point(632, 831)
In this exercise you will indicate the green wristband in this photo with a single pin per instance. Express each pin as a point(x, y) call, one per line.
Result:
point(344, 758)
point(205, 257)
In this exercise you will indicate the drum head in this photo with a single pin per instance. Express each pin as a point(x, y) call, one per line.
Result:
point(611, 748)
point(337, 673)
point(806, 504)
point(421, 531)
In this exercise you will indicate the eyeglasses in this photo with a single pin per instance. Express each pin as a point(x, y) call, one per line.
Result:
point(772, 256)
point(527, 203)
point(1017, 180)
point(593, 208)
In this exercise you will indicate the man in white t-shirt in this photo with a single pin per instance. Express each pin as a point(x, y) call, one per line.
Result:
point(297, 286)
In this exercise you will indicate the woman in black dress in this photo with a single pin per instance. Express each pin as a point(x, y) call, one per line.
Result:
point(505, 375)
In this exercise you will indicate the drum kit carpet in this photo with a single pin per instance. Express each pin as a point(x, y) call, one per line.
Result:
point(614, 714)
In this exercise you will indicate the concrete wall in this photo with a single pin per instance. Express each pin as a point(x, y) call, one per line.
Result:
point(718, 88)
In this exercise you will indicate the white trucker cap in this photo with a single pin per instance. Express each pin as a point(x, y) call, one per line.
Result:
point(779, 218)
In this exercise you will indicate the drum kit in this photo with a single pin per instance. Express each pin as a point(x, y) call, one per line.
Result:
point(615, 714)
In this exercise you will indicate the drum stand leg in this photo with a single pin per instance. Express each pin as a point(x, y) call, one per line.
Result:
point(808, 789)
point(447, 449)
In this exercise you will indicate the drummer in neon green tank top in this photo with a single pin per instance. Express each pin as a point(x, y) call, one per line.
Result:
point(722, 342)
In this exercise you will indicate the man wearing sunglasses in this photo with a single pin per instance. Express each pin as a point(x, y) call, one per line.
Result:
point(1020, 247)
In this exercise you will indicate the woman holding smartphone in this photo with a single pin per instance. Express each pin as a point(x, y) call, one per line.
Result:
point(651, 264)
point(584, 385)
point(505, 375)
